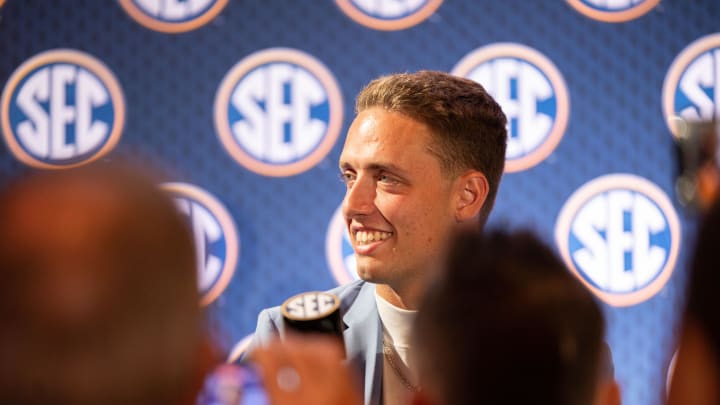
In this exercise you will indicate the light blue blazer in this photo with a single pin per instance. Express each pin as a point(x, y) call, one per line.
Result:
point(363, 334)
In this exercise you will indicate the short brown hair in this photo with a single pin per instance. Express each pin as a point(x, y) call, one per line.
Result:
point(468, 125)
point(508, 323)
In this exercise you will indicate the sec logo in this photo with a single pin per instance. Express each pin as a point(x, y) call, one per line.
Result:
point(278, 112)
point(338, 250)
point(613, 11)
point(531, 92)
point(691, 91)
point(61, 108)
point(620, 235)
point(173, 16)
point(389, 15)
point(216, 240)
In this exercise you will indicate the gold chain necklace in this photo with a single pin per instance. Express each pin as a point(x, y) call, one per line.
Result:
point(388, 352)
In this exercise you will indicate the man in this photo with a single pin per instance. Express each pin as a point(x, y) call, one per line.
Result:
point(508, 324)
point(696, 377)
point(98, 300)
point(422, 159)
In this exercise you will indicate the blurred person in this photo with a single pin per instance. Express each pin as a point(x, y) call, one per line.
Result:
point(422, 158)
point(508, 324)
point(696, 376)
point(98, 300)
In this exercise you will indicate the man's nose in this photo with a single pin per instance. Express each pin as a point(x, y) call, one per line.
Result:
point(360, 197)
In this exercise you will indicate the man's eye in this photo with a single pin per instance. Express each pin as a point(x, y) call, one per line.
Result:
point(384, 178)
point(346, 177)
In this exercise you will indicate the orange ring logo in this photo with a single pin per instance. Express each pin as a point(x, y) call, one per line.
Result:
point(61, 108)
point(239, 349)
point(388, 15)
point(531, 92)
point(278, 112)
point(216, 239)
point(172, 16)
point(619, 234)
point(670, 372)
point(690, 84)
point(615, 13)
point(338, 250)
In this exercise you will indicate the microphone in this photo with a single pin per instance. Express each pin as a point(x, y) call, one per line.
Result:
point(314, 312)
point(240, 384)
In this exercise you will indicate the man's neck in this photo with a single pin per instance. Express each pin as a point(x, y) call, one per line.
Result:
point(405, 299)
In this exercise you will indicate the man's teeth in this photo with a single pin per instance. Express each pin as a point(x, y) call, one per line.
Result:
point(367, 237)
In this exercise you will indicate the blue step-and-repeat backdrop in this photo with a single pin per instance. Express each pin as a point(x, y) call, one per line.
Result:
point(245, 104)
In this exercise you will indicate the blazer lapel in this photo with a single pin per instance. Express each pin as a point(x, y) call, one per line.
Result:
point(363, 342)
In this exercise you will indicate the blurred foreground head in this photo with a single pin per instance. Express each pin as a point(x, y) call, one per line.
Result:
point(98, 299)
point(508, 324)
point(696, 378)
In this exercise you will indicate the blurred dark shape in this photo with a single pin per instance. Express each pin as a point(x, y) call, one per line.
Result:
point(696, 377)
point(508, 324)
point(98, 299)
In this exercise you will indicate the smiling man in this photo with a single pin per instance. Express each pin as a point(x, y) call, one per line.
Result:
point(422, 159)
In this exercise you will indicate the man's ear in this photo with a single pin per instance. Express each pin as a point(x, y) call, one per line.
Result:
point(471, 191)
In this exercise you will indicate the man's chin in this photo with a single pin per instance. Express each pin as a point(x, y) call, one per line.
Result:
point(371, 275)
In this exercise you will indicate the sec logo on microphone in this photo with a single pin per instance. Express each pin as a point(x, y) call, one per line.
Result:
point(532, 94)
point(389, 15)
point(620, 235)
point(61, 108)
point(173, 16)
point(613, 11)
point(691, 91)
point(278, 112)
point(338, 250)
point(216, 240)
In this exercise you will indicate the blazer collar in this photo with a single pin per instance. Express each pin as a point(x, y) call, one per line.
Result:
point(363, 341)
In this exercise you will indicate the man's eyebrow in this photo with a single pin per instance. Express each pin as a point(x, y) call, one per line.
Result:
point(377, 167)
point(389, 167)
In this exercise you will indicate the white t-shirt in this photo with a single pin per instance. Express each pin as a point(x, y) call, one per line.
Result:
point(397, 325)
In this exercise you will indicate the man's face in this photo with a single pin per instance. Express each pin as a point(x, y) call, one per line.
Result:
point(398, 206)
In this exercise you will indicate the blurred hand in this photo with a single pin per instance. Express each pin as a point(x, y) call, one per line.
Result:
point(306, 370)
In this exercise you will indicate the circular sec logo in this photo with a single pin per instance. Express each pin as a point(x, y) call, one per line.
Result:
point(531, 92)
point(173, 16)
point(389, 15)
point(61, 108)
point(338, 250)
point(278, 112)
point(691, 91)
point(620, 235)
point(216, 240)
point(613, 11)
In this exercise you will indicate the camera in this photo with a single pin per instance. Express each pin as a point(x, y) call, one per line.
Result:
point(698, 172)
